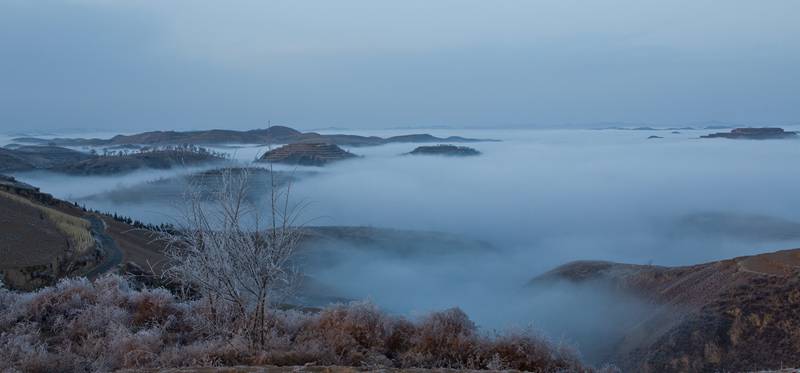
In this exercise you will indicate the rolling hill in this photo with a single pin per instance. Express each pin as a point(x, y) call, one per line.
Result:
point(271, 135)
point(307, 154)
point(64, 160)
point(728, 315)
point(26, 158)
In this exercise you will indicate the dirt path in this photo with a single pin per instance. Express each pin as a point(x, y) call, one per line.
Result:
point(112, 255)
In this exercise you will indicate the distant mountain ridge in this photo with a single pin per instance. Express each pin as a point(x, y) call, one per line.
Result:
point(271, 135)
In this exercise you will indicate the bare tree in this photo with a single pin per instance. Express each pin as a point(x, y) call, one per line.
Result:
point(229, 250)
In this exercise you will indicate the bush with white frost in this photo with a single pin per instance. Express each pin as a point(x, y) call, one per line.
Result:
point(227, 250)
point(105, 325)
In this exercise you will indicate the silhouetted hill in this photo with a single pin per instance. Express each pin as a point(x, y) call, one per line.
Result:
point(156, 159)
point(25, 158)
point(64, 160)
point(449, 150)
point(753, 134)
point(271, 135)
point(430, 138)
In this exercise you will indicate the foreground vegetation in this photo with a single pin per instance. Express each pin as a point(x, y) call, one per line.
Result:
point(107, 324)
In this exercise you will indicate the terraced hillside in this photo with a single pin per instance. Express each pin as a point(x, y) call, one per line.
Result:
point(311, 154)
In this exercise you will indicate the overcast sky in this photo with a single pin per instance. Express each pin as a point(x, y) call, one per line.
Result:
point(370, 64)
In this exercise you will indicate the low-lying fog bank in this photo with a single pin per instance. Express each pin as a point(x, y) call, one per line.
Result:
point(539, 198)
point(563, 195)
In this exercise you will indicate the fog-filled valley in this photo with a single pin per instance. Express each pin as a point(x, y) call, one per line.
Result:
point(564, 194)
point(472, 232)
point(407, 187)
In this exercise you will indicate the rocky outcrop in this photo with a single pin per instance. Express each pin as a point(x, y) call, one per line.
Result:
point(765, 133)
point(14, 186)
point(450, 150)
point(307, 154)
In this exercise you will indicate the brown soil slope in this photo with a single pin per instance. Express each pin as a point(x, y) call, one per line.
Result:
point(41, 238)
point(27, 237)
point(35, 251)
point(138, 246)
point(731, 315)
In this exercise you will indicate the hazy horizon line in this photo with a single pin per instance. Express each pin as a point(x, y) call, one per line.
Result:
point(577, 126)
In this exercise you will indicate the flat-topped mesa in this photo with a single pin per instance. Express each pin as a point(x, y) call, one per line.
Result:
point(445, 149)
point(764, 133)
point(307, 154)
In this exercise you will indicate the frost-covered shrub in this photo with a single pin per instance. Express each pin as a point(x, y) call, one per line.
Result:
point(524, 350)
point(78, 325)
point(347, 334)
point(445, 338)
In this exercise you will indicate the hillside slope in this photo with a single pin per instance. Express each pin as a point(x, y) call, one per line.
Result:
point(307, 154)
point(25, 158)
point(730, 315)
point(156, 159)
point(41, 238)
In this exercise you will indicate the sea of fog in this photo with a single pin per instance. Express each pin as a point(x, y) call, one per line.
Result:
point(541, 198)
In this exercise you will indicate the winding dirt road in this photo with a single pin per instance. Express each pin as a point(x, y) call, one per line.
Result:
point(112, 255)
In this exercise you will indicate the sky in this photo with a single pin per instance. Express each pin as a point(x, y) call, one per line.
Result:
point(143, 65)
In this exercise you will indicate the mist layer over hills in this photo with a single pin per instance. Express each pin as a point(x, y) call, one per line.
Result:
point(538, 199)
